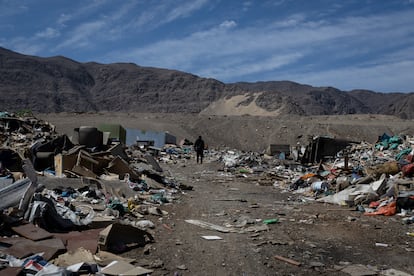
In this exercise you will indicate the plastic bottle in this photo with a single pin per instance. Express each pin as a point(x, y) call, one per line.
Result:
point(271, 221)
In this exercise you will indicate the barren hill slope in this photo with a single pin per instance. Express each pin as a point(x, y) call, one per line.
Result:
point(59, 84)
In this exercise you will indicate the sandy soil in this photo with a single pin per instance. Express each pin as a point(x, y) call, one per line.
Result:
point(250, 133)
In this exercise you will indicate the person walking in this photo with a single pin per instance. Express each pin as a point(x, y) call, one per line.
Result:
point(199, 149)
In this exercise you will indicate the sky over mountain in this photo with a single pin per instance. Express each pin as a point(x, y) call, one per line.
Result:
point(352, 44)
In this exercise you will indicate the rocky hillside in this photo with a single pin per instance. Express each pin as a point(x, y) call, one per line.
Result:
point(58, 84)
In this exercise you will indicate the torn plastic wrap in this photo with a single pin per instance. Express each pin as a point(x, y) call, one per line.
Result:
point(55, 217)
point(12, 194)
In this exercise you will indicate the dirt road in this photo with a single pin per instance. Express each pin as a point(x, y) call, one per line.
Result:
point(318, 239)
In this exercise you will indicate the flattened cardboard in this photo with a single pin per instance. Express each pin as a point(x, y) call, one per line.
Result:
point(121, 167)
point(10, 271)
point(87, 239)
point(32, 232)
point(123, 268)
point(104, 258)
point(27, 247)
point(118, 238)
point(82, 171)
point(151, 160)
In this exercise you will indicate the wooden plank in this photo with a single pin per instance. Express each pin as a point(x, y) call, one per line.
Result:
point(287, 260)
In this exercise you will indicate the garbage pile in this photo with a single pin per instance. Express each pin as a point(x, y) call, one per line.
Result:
point(376, 179)
point(71, 207)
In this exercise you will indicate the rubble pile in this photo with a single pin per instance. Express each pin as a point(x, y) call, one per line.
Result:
point(65, 205)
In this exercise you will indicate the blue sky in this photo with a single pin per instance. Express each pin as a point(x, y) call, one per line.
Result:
point(347, 44)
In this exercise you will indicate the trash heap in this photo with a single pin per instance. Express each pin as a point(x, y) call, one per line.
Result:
point(69, 207)
point(376, 179)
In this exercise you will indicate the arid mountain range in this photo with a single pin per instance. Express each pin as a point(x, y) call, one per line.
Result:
point(59, 84)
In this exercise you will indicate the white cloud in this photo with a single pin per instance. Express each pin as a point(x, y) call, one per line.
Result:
point(83, 10)
point(11, 8)
point(228, 24)
point(63, 18)
point(74, 36)
point(83, 35)
point(48, 33)
point(215, 46)
point(276, 2)
point(122, 11)
point(247, 5)
point(184, 10)
point(386, 77)
point(24, 45)
point(153, 16)
point(228, 53)
point(240, 68)
point(290, 21)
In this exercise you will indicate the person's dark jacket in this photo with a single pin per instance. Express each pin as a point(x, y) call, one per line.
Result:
point(199, 145)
